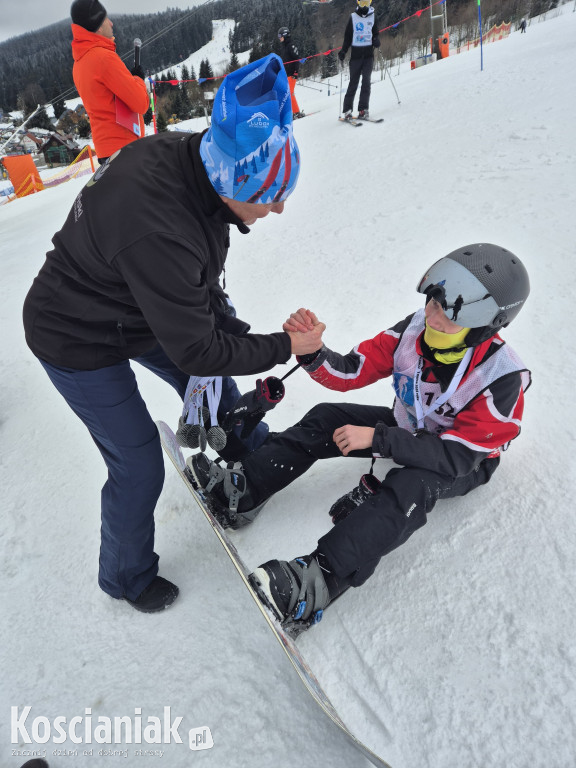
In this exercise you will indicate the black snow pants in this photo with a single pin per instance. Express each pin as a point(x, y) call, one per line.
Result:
point(359, 67)
point(383, 522)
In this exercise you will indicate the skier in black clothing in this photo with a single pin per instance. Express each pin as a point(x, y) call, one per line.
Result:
point(291, 63)
point(361, 36)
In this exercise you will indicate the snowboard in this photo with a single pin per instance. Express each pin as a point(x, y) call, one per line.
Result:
point(172, 449)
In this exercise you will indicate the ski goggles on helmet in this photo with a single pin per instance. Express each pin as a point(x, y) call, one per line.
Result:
point(461, 295)
point(364, 3)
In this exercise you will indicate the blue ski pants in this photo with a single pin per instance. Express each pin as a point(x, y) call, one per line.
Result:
point(109, 403)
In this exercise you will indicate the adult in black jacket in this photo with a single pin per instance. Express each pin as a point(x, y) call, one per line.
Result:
point(361, 36)
point(134, 276)
point(290, 57)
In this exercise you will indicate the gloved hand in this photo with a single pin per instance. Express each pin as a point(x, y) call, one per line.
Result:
point(251, 407)
point(138, 72)
point(341, 55)
point(368, 486)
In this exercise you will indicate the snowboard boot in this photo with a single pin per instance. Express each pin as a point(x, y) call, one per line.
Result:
point(368, 486)
point(363, 114)
point(223, 488)
point(297, 592)
point(159, 594)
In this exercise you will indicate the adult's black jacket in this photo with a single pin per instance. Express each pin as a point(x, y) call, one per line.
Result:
point(135, 265)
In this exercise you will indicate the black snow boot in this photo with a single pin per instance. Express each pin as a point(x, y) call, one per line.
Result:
point(159, 594)
point(297, 592)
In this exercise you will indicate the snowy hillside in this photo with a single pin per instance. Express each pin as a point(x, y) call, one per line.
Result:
point(459, 652)
point(217, 51)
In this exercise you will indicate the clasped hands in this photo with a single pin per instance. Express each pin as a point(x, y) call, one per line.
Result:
point(305, 331)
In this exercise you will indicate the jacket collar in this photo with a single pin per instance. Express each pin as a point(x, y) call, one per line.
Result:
point(83, 41)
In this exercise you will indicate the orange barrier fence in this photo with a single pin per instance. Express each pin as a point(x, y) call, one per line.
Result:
point(495, 33)
point(26, 179)
point(23, 175)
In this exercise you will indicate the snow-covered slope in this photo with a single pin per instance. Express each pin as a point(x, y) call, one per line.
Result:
point(217, 51)
point(459, 652)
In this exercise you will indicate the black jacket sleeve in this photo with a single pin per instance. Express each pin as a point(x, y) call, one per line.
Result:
point(178, 311)
point(375, 34)
point(347, 36)
point(425, 451)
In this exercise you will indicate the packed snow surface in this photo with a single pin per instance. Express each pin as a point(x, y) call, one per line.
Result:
point(459, 652)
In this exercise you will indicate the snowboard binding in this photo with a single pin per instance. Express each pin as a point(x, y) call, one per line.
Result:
point(221, 488)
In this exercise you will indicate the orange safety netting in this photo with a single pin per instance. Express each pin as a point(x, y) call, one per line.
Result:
point(81, 166)
point(495, 33)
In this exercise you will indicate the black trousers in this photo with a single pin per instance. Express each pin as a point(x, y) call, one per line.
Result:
point(379, 525)
point(359, 67)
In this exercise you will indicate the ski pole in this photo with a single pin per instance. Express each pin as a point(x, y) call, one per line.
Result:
point(291, 371)
point(341, 71)
point(393, 86)
point(389, 76)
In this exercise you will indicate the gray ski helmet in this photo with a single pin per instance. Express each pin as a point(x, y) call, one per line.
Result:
point(283, 32)
point(480, 286)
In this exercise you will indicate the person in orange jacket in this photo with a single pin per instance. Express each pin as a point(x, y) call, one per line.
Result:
point(103, 80)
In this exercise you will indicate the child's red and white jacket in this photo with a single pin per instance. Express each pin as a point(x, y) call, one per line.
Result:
point(479, 419)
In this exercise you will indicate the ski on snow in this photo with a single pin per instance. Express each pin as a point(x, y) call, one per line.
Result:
point(350, 121)
point(369, 119)
point(357, 121)
point(305, 674)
